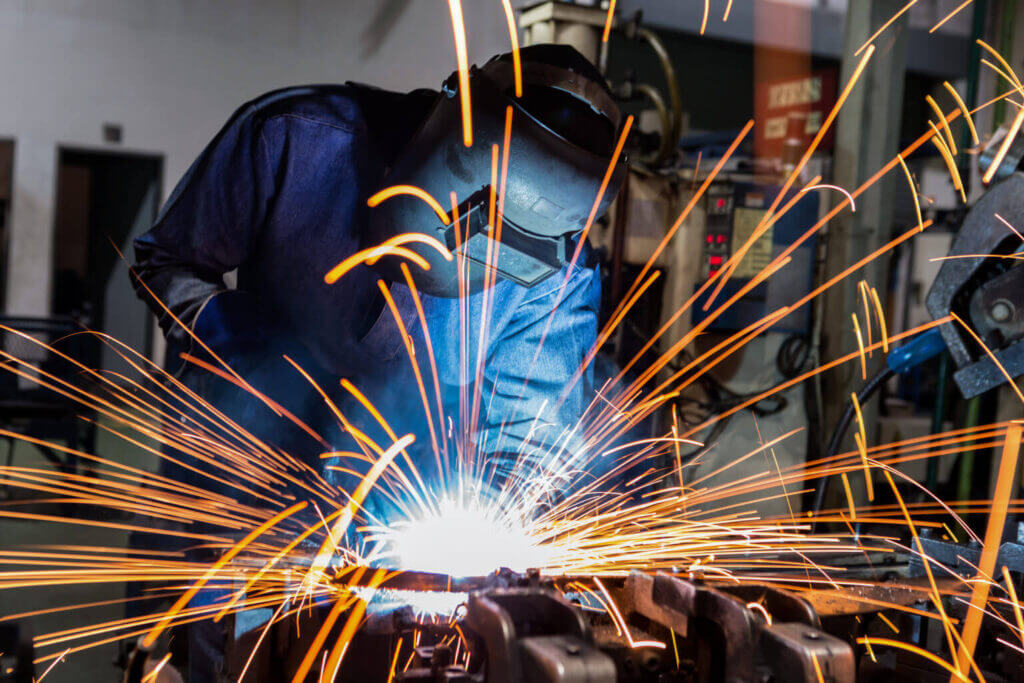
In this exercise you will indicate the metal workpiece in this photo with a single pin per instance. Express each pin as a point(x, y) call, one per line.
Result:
point(962, 559)
point(984, 291)
point(729, 640)
point(800, 654)
point(532, 634)
point(669, 629)
point(868, 598)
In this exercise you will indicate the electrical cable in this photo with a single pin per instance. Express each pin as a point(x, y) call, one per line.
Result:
point(865, 393)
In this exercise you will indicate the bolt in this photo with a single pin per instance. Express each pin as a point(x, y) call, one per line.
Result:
point(572, 649)
point(1001, 311)
point(812, 635)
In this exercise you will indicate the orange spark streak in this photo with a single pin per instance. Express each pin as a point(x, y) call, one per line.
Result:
point(462, 58)
point(394, 660)
point(728, 8)
point(1013, 600)
point(866, 300)
point(949, 16)
point(860, 348)
point(993, 537)
point(1012, 229)
point(888, 622)
point(935, 595)
point(942, 122)
point(826, 186)
point(608, 22)
point(1010, 74)
point(1007, 76)
point(212, 571)
point(849, 496)
point(410, 350)
point(884, 26)
point(947, 156)
point(60, 659)
point(430, 353)
point(963, 108)
point(152, 675)
point(497, 221)
point(704, 21)
point(817, 668)
point(493, 246)
point(759, 608)
point(1011, 135)
point(390, 247)
point(883, 327)
point(513, 35)
point(913, 191)
point(409, 190)
point(110, 525)
point(600, 191)
point(869, 640)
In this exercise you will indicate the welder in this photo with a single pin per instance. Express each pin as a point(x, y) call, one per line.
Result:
point(281, 196)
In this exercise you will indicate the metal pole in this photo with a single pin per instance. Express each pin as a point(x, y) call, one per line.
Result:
point(867, 137)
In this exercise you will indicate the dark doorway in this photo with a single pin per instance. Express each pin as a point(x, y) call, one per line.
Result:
point(104, 200)
point(6, 193)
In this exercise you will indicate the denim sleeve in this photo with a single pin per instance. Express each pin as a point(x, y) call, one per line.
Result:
point(536, 399)
point(206, 227)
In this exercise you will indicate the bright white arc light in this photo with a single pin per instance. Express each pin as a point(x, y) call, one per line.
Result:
point(462, 540)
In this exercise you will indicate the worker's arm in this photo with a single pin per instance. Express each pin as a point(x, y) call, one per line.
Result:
point(534, 411)
point(205, 230)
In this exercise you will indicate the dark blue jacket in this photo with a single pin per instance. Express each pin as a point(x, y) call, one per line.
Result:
point(280, 195)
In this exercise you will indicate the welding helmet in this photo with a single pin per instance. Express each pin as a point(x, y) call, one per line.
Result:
point(564, 129)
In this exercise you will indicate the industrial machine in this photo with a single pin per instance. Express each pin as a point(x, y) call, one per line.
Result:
point(982, 281)
point(641, 628)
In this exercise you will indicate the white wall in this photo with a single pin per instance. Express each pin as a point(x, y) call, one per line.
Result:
point(172, 71)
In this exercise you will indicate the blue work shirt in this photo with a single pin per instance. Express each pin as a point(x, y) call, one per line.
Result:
point(281, 196)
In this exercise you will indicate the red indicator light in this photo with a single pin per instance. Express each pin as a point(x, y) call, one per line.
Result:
point(712, 273)
point(709, 238)
point(715, 260)
point(720, 203)
point(720, 239)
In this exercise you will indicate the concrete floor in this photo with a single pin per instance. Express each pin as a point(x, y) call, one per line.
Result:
point(94, 664)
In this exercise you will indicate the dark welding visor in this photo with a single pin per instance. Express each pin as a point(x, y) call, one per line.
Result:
point(563, 132)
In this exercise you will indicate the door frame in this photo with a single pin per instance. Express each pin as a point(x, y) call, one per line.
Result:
point(101, 150)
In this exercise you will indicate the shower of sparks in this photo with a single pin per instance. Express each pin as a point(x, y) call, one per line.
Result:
point(593, 503)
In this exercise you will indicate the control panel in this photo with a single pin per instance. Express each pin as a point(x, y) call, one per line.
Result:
point(734, 212)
